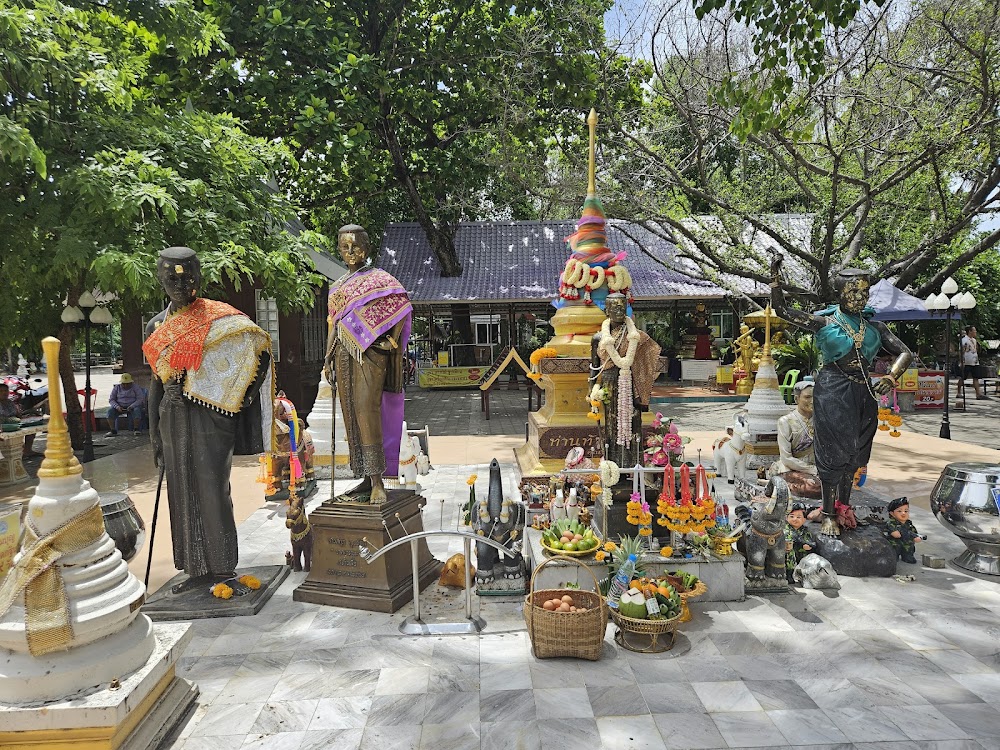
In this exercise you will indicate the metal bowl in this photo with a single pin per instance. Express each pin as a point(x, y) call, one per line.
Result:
point(966, 500)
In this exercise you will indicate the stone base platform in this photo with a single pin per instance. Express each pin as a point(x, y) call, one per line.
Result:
point(722, 575)
point(199, 604)
point(136, 715)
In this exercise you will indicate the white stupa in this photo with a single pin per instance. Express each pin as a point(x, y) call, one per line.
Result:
point(764, 408)
point(321, 427)
point(81, 626)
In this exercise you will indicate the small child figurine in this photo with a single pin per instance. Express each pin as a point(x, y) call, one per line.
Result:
point(900, 531)
point(798, 540)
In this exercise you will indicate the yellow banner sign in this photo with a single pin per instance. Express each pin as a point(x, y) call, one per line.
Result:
point(451, 377)
point(909, 381)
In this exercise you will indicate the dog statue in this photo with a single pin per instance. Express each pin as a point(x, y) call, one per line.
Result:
point(296, 520)
point(815, 572)
point(729, 453)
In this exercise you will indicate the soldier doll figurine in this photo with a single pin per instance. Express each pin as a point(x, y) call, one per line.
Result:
point(900, 531)
point(798, 541)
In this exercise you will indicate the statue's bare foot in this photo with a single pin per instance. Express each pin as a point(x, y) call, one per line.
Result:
point(378, 495)
point(484, 579)
point(192, 583)
point(829, 527)
point(362, 488)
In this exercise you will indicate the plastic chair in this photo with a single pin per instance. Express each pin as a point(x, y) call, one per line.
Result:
point(83, 416)
point(787, 388)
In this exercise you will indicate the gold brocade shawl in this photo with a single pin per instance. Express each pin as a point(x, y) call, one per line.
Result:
point(46, 609)
point(645, 368)
point(228, 365)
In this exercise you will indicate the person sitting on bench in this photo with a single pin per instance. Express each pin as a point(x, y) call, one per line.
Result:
point(127, 399)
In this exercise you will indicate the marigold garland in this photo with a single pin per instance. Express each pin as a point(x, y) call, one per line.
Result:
point(545, 352)
point(222, 591)
point(251, 582)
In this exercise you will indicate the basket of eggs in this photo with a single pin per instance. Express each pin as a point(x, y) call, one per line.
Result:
point(565, 622)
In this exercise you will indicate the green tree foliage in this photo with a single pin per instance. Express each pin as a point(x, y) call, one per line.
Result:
point(789, 37)
point(428, 110)
point(890, 164)
point(101, 167)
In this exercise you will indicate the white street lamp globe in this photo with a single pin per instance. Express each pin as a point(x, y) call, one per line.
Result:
point(967, 301)
point(71, 315)
point(87, 301)
point(950, 286)
point(101, 316)
point(942, 302)
point(931, 302)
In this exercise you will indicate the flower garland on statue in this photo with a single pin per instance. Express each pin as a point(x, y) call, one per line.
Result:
point(224, 591)
point(579, 275)
point(889, 415)
point(689, 515)
point(610, 474)
point(609, 344)
point(536, 359)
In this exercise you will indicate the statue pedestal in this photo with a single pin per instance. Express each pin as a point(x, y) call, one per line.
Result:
point(562, 423)
point(341, 578)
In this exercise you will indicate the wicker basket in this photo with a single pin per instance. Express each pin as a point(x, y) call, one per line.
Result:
point(578, 635)
point(651, 628)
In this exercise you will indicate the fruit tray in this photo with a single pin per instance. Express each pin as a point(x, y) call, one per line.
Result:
point(653, 629)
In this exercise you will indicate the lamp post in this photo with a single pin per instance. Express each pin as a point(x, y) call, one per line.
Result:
point(948, 300)
point(88, 313)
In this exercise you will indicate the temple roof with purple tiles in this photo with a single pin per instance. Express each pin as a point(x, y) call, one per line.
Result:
point(517, 261)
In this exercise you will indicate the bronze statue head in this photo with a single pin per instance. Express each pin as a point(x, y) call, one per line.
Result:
point(852, 285)
point(353, 245)
point(179, 272)
point(616, 307)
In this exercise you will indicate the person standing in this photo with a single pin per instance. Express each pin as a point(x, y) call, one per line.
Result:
point(129, 400)
point(970, 361)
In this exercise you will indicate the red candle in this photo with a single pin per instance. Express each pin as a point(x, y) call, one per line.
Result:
point(668, 483)
point(685, 484)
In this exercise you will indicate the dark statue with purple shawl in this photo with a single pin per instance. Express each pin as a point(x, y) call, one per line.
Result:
point(370, 316)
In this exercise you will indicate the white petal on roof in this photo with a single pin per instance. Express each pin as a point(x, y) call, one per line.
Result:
point(549, 234)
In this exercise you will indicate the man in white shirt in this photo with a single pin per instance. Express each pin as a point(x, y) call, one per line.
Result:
point(970, 361)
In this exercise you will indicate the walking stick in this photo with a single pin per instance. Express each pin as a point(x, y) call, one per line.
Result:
point(152, 530)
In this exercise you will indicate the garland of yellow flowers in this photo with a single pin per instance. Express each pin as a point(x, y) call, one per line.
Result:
point(889, 417)
point(536, 358)
point(690, 515)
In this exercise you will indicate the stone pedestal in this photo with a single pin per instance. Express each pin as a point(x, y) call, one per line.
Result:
point(136, 714)
point(341, 577)
point(332, 456)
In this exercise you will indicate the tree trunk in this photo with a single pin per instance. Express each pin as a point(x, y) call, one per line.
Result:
point(74, 412)
point(461, 322)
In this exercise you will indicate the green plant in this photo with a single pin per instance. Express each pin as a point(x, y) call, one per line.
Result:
point(802, 355)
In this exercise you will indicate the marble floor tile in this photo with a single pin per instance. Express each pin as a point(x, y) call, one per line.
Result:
point(403, 680)
point(922, 639)
point(708, 669)
point(925, 745)
point(943, 688)
point(456, 651)
point(569, 733)
point(725, 697)
point(265, 665)
point(860, 665)
point(924, 723)
point(326, 739)
point(957, 662)
point(227, 719)
point(978, 720)
point(453, 679)
point(455, 736)
point(878, 640)
point(283, 741)
point(748, 729)
point(617, 701)
point(247, 689)
point(775, 695)
point(883, 692)
point(507, 705)
point(671, 698)
point(208, 690)
point(630, 733)
point(507, 735)
point(563, 703)
point(688, 731)
point(764, 619)
point(504, 649)
point(397, 737)
point(505, 677)
point(218, 742)
point(653, 671)
point(449, 708)
point(294, 687)
point(395, 710)
point(908, 664)
point(241, 643)
point(284, 716)
point(341, 713)
point(210, 667)
point(986, 686)
point(806, 727)
point(350, 682)
point(815, 666)
point(315, 661)
point(738, 644)
point(836, 692)
point(766, 667)
point(861, 724)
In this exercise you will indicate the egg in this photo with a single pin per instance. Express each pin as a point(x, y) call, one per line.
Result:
point(564, 607)
point(567, 598)
point(549, 605)
point(577, 537)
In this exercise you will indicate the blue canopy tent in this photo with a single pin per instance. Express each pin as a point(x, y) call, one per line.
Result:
point(891, 303)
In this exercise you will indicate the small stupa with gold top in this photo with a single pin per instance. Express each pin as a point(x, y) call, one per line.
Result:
point(592, 271)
